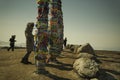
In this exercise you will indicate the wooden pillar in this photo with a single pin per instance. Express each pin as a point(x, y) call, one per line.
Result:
point(56, 26)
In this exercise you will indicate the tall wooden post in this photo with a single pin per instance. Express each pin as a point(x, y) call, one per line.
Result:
point(42, 35)
point(56, 26)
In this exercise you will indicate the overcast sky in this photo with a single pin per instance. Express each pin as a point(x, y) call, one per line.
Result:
point(85, 21)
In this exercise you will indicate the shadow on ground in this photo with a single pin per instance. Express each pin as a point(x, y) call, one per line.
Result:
point(104, 75)
point(61, 66)
point(53, 77)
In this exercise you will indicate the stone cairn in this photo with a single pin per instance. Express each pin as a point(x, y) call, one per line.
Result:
point(86, 64)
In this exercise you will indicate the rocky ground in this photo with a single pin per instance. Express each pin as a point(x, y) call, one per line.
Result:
point(12, 69)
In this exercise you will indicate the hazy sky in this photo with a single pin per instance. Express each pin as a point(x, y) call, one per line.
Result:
point(85, 21)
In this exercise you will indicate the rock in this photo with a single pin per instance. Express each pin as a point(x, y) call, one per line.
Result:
point(79, 49)
point(85, 55)
point(88, 55)
point(86, 67)
point(72, 47)
point(86, 48)
point(76, 47)
point(68, 46)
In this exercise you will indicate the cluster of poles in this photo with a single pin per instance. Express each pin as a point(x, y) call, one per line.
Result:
point(48, 40)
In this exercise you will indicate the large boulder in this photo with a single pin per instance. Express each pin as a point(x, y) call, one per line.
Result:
point(86, 48)
point(88, 55)
point(86, 67)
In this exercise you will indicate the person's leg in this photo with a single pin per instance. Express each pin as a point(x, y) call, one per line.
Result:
point(65, 44)
point(12, 47)
point(25, 58)
point(9, 48)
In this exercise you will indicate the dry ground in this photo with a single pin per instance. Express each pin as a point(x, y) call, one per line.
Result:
point(12, 69)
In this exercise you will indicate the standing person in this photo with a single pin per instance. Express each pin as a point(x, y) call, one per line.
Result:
point(29, 42)
point(12, 42)
point(65, 42)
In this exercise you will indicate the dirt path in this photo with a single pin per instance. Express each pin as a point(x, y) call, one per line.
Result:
point(12, 69)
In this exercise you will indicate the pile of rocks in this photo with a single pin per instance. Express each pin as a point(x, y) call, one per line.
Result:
point(72, 47)
point(86, 65)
